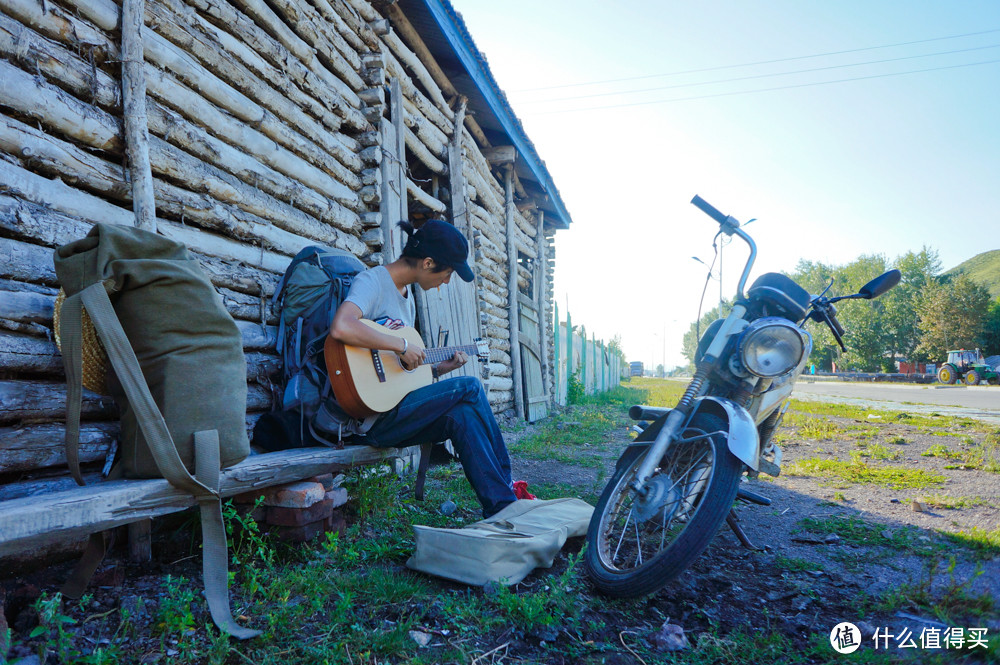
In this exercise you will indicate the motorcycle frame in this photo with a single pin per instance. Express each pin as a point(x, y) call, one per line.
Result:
point(680, 415)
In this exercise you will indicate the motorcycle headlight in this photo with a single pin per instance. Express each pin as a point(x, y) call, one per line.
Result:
point(771, 347)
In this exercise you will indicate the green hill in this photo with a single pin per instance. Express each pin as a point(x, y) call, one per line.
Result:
point(983, 269)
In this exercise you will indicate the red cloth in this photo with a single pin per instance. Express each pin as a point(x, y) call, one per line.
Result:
point(521, 490)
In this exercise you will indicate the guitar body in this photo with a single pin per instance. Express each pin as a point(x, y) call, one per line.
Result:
point(367, 381)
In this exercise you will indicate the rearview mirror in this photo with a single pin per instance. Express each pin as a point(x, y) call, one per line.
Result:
point(880, 284)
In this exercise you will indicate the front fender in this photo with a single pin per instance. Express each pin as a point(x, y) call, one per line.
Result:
point(742, 438)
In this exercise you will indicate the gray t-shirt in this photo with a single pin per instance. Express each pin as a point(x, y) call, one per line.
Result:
point(376, 295)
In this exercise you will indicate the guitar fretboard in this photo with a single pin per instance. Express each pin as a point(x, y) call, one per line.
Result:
point(435, 356)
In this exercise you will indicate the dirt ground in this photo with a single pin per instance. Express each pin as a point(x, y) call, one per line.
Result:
point(826, 551)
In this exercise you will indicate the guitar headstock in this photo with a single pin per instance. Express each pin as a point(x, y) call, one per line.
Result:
point(482, 350)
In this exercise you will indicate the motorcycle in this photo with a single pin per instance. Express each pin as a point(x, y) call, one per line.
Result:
point(677, 482)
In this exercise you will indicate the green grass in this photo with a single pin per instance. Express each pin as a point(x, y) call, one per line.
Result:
point(795, 565)
point(857, 532)
point(879, 452)
point(858, 471)
point(984, 456)
point(819, 429)
point(929, 421)
point(984, 542)
point(956, 503)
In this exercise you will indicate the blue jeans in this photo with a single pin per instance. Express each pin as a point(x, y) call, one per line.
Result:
point(455, 409)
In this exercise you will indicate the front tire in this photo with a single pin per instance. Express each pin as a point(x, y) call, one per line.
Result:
point(972, 378)
point(632, 553)
point(946, 375)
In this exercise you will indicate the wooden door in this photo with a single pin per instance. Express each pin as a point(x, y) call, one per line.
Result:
point(536, 402)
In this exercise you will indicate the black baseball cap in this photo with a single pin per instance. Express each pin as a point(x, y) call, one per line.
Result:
point(444, 243)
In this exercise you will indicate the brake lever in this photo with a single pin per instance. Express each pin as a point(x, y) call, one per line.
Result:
point(833, 329)
point(821, 312)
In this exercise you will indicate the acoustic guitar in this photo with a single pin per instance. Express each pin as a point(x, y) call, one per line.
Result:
point(369, 381)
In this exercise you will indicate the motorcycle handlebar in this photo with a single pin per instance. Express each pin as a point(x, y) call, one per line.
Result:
point(708, 209)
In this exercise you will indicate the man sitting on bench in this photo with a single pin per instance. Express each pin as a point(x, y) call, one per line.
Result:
point(456, 408)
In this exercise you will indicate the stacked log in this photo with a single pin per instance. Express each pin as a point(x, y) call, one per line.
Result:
point(262, 138)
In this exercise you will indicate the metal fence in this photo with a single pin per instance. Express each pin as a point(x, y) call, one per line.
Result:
point(596, 365)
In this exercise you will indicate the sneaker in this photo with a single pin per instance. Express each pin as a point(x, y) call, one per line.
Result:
point(521, 490)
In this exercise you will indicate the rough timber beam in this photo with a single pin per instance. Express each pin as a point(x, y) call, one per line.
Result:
point(501, 154)
point(412, 37)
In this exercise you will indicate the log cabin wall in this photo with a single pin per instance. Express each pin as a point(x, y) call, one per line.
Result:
point(271, 126)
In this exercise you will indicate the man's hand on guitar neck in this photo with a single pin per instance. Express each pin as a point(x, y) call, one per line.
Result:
point(451, 364)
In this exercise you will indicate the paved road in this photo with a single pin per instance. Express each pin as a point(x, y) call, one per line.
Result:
point(982, 402)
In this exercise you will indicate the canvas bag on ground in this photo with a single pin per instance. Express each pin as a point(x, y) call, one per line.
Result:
point(503, 548)
point(179, 377)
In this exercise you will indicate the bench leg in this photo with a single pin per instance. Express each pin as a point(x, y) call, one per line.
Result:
point(425, 461)
point(140, 548)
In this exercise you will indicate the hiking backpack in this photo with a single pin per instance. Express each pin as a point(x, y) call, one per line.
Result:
point(308, 295)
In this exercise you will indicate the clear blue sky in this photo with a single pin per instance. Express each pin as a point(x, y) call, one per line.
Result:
point(877, 164)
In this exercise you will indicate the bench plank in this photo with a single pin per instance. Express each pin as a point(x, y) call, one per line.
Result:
point(38, 520)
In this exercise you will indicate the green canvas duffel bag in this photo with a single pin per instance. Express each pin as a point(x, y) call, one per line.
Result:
point(504, 548)
point(179, 377)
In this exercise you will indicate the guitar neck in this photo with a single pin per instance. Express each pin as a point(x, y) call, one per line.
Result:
point(435, 356)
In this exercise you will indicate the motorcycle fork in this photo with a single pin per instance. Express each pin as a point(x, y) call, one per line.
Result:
point(678, 417)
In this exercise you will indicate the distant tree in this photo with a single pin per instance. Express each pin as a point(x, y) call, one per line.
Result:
point(991, 330)
point(866, 336)
point(659, 371)
point(952, 315)
point(899, 305)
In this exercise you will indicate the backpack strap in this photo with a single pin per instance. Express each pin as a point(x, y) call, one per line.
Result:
point(204, 485)
point(71, 341)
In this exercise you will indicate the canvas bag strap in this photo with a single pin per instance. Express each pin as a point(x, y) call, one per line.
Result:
point(204, 487)
point(71, 340)
point(215, 553)
point(93, 555)
point(126, 366)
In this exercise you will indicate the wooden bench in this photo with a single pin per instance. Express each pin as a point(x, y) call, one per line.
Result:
point(39, 520)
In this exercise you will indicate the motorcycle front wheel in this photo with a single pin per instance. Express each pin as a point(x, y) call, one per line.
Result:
point(637, 547)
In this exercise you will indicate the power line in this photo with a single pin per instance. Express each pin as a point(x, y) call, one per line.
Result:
point(759, 62)
point(748, 92)
point(758, 76)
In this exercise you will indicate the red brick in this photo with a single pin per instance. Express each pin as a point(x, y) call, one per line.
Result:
point(336, 522)
point(299, 534)
point(326, 480)
point(295, 495)
point(298, 516)
point(338, 496)
point(248, 497)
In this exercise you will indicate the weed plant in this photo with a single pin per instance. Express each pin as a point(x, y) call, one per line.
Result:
point(952, 600)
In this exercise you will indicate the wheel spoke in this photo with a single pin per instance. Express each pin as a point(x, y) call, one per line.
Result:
point(638, 544)
point(622, 537)
point(680, 469)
